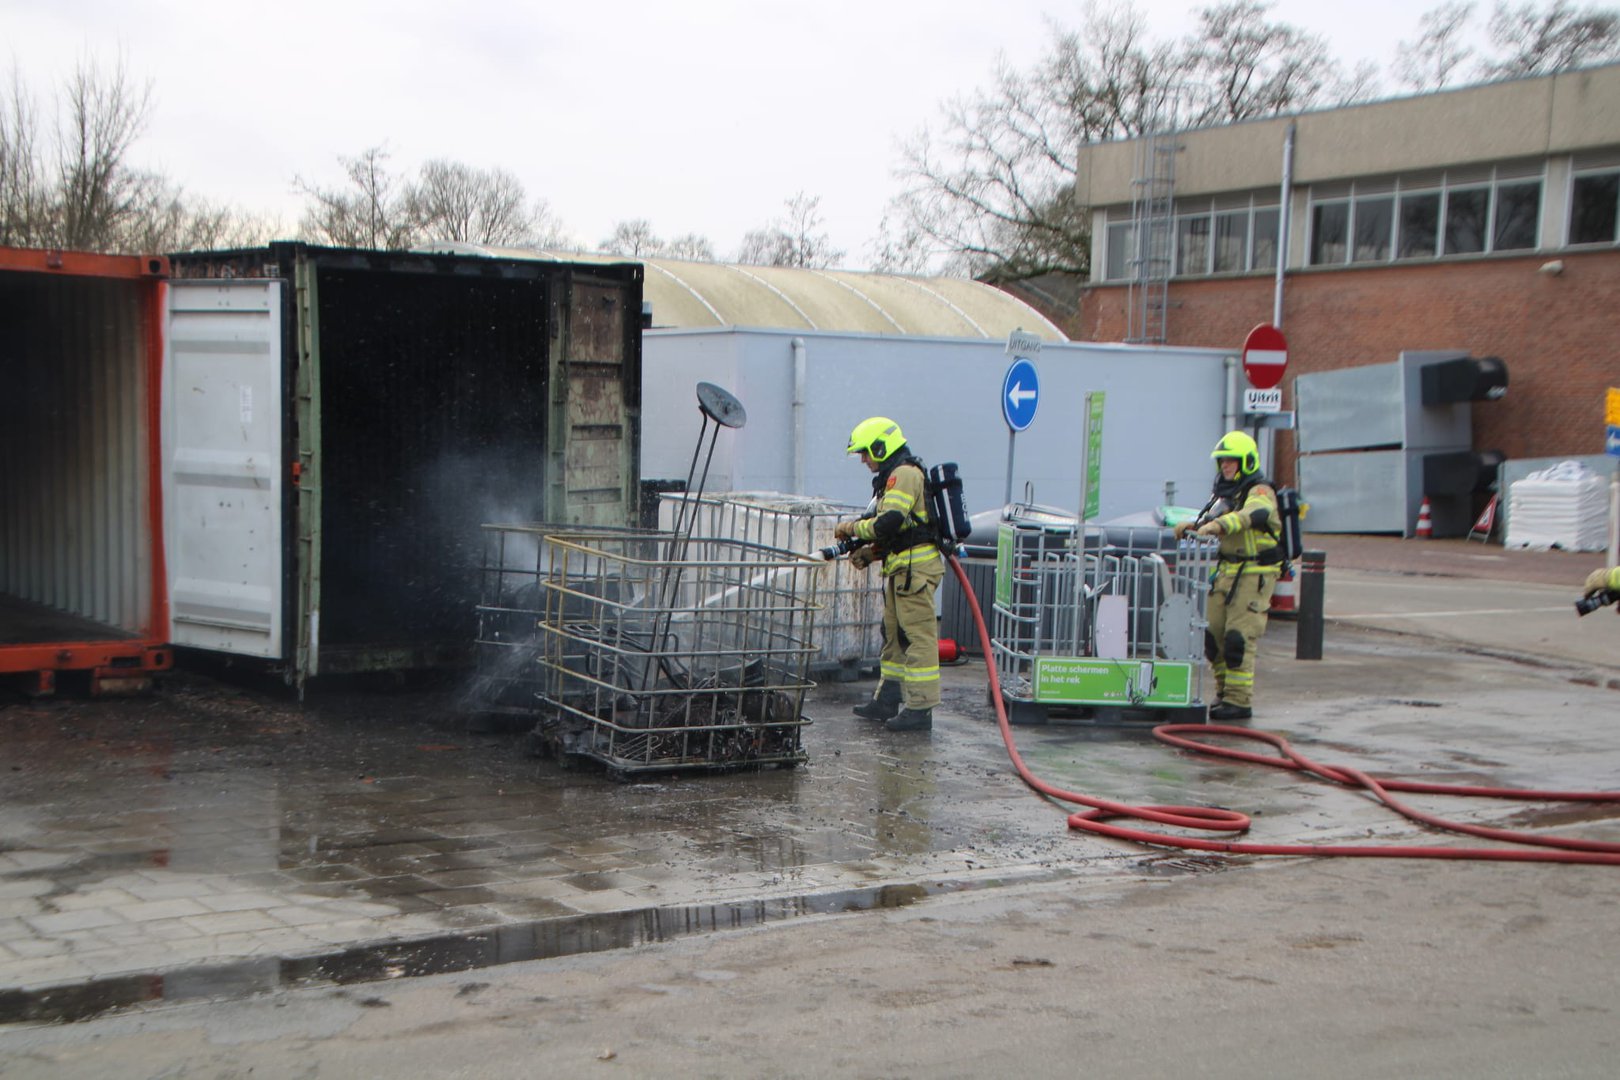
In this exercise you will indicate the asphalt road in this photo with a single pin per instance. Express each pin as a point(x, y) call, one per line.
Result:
point(1162, 966)
point(1349, 968)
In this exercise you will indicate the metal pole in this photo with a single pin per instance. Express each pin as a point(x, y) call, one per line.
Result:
point(1080, 530)
point(1283, 223)
point(1012, 438)
point(1308, 630)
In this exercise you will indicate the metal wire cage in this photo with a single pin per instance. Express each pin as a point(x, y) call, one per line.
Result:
point(663, 652)
point(516, 560)
point(849, 626)
point(1109, 626)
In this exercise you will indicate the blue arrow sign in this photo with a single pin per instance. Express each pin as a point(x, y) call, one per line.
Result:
point(1611, 442)
point(1020, 394)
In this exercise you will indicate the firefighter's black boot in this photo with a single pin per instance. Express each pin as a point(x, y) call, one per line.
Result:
point(883, 705)
point(1227, 711)
point(912, 720)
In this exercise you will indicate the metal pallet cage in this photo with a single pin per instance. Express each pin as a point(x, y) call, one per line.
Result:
point(1118, 626)
point(516, 560)
point(849, 626)
point(660, 652)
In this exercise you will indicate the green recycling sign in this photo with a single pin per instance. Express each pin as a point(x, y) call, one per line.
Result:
point(1087, 680)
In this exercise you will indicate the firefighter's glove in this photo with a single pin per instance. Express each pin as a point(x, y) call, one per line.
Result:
point(1597, 581)
point(1211, 528)
point(1183, 528)
point(862, 557)
point(844, 530)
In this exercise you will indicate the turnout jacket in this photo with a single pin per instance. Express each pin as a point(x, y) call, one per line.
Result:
point(900, 526)
point(1249, 538)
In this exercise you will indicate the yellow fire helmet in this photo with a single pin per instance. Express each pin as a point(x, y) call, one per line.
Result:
point(878, 436)
point(1235, 444)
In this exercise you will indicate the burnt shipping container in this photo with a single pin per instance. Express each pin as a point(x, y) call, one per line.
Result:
point(286, 453)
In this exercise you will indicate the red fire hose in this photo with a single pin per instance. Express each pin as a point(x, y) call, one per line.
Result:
point(1099, 818)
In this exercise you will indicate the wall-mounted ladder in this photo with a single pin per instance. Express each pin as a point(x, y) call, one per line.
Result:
point(1152, 238)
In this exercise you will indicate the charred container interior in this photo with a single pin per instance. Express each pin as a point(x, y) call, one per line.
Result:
point(424, 395)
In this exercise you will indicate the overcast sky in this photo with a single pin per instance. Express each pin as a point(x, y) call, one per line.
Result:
point(701, 116)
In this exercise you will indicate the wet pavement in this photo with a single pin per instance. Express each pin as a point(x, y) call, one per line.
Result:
point(210, 841)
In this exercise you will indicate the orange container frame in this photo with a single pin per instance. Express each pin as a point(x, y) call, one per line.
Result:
point(124, 660)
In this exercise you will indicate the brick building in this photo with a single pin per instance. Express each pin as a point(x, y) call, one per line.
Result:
point(1483, 219)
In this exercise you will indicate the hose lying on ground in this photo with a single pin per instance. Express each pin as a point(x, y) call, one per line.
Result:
point(1099, 819)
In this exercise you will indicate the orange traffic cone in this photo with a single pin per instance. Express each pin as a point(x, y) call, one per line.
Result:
point(1425, 528)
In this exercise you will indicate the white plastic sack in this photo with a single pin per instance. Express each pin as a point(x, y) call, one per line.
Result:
point(1566, 506)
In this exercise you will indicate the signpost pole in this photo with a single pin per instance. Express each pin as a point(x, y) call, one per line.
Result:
point(1012, 441)
point(1090, 496)
point(1020, 394)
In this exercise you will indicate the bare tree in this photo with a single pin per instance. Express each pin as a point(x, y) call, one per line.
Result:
point(97, 193)
point(795, 239)
point(1555, 37)
point(452, 201)
point(900, 248)
point(690, 246)
point(1437, 56)
point(82, 191)
point(24, 203)
point(1241, 65)
point(212, 226)
point(765, 247)
point(993, 194)
point(169, 219)
point(809, 244)
point(634, 238)
point(448, 200)
point(371, 212)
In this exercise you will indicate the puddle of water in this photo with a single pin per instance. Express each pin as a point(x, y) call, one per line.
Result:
point(538, 940)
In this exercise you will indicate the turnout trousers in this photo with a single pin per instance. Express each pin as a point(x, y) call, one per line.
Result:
point(1237, 621)
point(910, 654)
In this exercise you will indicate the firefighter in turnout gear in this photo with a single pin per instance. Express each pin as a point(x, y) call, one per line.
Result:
point(900, 533)
point(1243, 514)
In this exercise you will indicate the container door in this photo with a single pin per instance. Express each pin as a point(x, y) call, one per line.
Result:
point(222, 494)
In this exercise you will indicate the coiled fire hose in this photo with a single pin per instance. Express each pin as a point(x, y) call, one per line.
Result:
point(1102, 813)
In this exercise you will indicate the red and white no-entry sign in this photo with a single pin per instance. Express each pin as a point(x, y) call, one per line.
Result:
point(1265, 356)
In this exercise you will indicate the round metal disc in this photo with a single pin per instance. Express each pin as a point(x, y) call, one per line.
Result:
point(718, 405)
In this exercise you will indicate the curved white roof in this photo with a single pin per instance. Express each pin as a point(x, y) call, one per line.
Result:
point(700, 294)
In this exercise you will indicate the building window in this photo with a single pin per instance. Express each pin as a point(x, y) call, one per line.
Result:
point(1204, 240)
point(1501, 214)
point(1594, 208)
point(1121, 241)
point(1375, 220)
point(1518, 208)
point(1330, 232)
point(1419, 226)
point(1266, 224)
point(1231, 241)
point(1466, 214)
point(1192, 245)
